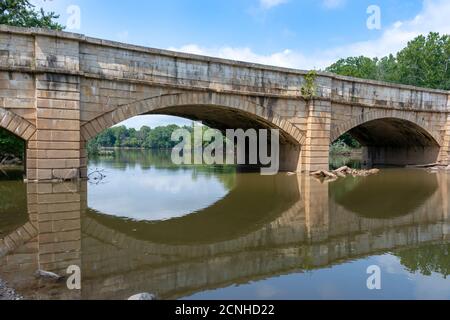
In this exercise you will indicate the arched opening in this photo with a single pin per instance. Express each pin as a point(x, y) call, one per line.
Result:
point(218, 117)
point(393, 142)
point(252, 203)
point(13, 196)
point(145, 164)
point(12, 155)
point(390, 194)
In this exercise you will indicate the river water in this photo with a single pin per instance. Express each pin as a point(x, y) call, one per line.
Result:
point(220, 232)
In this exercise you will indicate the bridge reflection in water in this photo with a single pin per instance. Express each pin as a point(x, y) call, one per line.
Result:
point(285, 225)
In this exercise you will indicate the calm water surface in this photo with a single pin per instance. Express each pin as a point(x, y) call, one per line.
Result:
point(222, 233)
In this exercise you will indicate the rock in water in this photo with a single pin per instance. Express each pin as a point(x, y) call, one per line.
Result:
point(48, 275)
point(143, 296)
point(343, 170)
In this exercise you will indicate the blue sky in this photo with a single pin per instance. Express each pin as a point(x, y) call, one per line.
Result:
point(302, 34)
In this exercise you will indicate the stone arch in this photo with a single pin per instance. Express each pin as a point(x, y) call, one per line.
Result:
point(365, 117)
point(16, 124)
point(161, 102)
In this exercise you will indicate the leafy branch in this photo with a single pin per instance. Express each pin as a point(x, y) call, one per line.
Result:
point(308, 89)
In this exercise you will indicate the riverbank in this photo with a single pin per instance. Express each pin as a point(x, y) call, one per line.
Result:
point(7, 293)
point(9, 160)
point(345, 152)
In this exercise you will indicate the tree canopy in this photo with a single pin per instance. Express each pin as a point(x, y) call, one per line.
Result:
point(21, 13)
point(424, 62)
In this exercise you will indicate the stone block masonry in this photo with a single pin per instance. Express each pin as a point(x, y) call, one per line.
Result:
point(58, 90)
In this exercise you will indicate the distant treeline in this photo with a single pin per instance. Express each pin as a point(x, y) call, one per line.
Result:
point(145, 138)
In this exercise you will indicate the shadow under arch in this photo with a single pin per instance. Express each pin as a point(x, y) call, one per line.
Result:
point(388, 116)
point(387, 195)
point(13, 203)
point(253, 202)
point(393, 140)
point(216, 110)
point(18, 127)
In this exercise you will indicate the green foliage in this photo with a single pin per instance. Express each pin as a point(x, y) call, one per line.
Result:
point(145, 138)
point(10, 144)
point(21, 13)
point(425, 62)
point(308, 89)
point(359, 67)
point(348, 140)
point(426, 259)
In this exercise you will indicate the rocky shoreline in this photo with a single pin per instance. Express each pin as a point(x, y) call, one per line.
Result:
point(7, 293)
point(9, 160)
point(343, 172)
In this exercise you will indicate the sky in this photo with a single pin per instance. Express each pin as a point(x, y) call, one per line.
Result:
point(302, 34)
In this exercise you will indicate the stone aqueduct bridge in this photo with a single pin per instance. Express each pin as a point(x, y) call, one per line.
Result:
point(58, 90)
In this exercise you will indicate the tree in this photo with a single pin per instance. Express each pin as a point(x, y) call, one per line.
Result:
point(425, 62)
point(10, 145)
point(387, 69)
point(21, 13)
point(359, 67)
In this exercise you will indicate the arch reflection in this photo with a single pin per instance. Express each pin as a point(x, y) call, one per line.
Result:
point(392, 193)
point(312, 231)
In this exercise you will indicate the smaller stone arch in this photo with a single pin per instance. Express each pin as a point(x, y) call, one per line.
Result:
point(365, 117)
point(17, 125)
point(204, 99)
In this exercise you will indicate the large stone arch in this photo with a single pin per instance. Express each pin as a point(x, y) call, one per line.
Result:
point(16, 124)
point(393, 137)
point(251, 109)
point(365, 117)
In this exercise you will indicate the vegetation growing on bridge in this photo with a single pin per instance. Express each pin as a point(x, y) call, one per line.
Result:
point(308, 89)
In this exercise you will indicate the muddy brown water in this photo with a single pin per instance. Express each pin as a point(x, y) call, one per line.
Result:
point(218, 232)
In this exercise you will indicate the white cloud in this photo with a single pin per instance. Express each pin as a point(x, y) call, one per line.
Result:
point(433, 17)
point(123, 35)
point(285, 58)
point(332, 4)
point(154, 121)
point(267, 4)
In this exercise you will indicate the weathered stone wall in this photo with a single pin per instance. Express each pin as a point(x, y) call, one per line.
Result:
point(63, 88)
